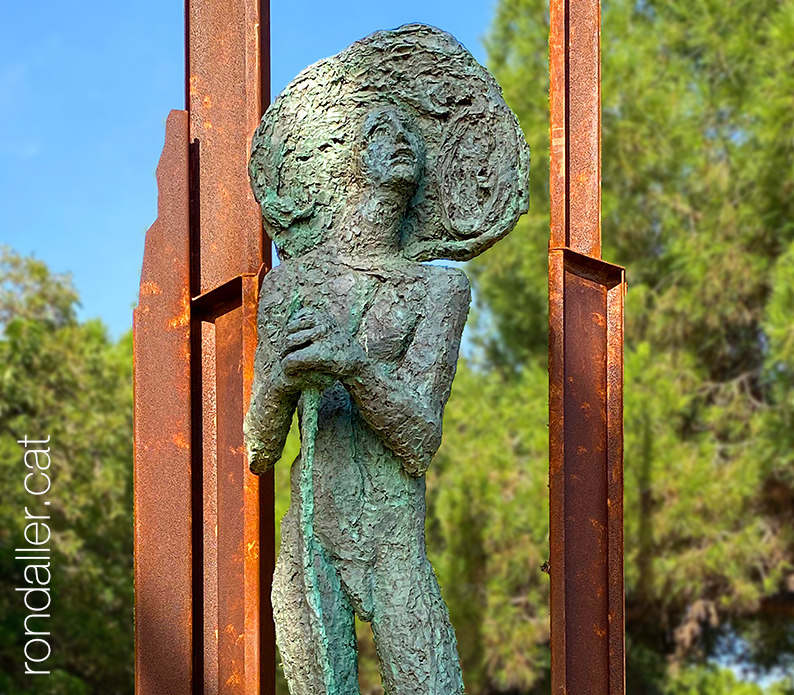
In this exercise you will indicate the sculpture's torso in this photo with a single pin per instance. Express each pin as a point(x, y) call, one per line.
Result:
point(363, 498)
point(367, 512)
point(365, 504)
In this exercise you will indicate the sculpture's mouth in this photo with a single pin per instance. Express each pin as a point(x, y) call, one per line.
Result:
point(404, 155)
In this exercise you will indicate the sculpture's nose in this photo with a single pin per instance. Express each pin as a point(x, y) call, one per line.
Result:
point(398, 129)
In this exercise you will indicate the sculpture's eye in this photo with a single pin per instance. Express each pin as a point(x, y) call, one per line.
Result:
point(379, 131)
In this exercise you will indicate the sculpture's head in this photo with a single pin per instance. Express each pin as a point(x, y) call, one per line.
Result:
point(392, 151)
point(405, 116)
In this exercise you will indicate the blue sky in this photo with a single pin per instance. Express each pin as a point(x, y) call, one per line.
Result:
point(85, 88)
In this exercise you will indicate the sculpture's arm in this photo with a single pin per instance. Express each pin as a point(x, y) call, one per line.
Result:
point(269, 417)
point(273, 396)
point(406, 407)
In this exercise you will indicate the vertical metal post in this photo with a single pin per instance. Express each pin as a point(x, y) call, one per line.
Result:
point(204, 525)
point(585, 376)
point(162, 411)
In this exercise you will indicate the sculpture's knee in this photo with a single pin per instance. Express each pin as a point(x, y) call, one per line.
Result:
point(318, 652)
point(415, 640)
point(294, 634)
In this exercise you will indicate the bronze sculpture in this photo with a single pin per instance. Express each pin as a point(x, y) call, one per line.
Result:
point(396, 151)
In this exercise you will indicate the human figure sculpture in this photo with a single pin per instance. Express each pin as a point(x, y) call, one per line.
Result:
point(354, 168)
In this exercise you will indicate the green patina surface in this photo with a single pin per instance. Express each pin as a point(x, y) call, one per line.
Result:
point(396, 151)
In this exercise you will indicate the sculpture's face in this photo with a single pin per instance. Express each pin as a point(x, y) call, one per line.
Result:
point(393, 152)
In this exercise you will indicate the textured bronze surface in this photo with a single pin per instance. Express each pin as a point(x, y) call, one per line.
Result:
point(399, 150)
point(163, 482)
point(585, 376)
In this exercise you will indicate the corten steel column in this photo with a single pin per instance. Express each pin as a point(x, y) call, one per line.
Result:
point(204, 526)
point(585, 375)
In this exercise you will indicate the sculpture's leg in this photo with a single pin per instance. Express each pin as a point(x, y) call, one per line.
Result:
point(296, 633)
point(415, 640)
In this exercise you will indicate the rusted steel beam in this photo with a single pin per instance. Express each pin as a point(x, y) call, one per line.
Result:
point(575, 105)
point(204, 525)
point(162, 411)
point(585, 376)
point(234, 641)
point(237, 540)
point(227, 88)
point(207, 457)
point(586, 474)
point(260, 554)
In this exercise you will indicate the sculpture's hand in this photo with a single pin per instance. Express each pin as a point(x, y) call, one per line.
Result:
point(405, 403)
point(316, 349)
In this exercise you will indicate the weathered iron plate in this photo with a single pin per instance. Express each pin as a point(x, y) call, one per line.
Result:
point(198, 535)
point(575, 136)
point(162, 410)
point(586, 474)
point(227, 87)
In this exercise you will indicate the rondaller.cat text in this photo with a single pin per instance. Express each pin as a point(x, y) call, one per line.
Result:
point(36, 556)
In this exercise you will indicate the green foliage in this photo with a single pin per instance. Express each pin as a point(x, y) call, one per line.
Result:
point(69, 381)
point(713, 681)
point(698, 171)
point(488, 527)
